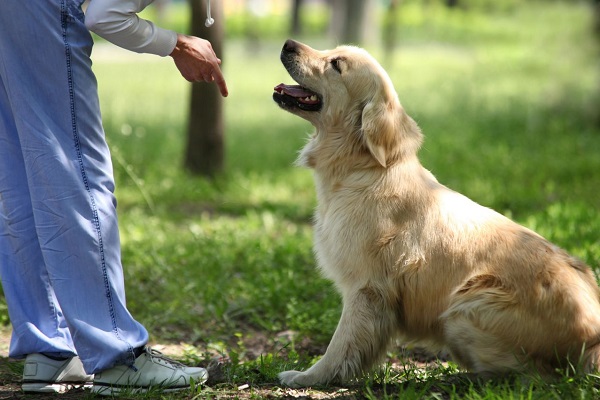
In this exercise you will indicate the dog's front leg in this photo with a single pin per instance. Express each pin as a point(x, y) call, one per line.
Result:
point(360, 339)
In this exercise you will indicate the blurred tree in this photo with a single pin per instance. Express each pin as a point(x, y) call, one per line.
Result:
point(390, 28)
point(597, 29)
point(597, 17)
point(296, 28)
point(205, 140)
point(352, 21)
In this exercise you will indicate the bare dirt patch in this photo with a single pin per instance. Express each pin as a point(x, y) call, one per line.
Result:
point(218, 385)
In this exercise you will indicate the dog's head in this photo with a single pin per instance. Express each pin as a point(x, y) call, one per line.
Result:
point(351, 101)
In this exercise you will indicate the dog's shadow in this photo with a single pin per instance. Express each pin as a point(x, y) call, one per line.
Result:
point(417, 373)
point(442, 386)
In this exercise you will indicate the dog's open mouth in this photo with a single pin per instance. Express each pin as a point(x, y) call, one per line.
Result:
point(296, 96)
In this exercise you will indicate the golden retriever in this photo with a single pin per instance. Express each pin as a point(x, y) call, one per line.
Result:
point(412, 259)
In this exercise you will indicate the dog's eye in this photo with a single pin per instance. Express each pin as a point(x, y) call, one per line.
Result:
point(335, 63)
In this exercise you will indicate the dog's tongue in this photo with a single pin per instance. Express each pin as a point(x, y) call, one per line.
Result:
point(293, 90)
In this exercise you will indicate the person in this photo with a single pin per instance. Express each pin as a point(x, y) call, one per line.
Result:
point(60, 258)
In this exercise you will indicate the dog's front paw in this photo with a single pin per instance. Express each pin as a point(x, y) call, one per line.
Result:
point(296, 379)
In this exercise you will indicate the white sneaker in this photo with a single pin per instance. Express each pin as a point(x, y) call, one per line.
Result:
point(151, 370)
point(46, 375)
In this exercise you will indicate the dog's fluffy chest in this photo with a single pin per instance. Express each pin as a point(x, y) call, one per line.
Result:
point(352, 225)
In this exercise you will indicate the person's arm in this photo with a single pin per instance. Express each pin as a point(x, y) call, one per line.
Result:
point(117, 21)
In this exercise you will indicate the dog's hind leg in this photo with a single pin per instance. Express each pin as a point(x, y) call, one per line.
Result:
point(477, 349)
point(591, 359)
point(482, 328)
point(360, 339)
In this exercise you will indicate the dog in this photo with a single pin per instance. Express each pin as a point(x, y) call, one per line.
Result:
point(414, 260)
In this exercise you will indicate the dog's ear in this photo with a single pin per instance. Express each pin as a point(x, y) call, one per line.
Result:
point(380, 120)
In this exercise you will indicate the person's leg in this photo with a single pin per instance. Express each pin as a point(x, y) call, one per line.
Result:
point(46, 70)
point(38, 324)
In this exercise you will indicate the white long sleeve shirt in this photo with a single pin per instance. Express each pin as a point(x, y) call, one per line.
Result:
point(117, 21)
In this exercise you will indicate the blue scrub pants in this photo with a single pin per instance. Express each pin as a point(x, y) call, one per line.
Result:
point(60, 256)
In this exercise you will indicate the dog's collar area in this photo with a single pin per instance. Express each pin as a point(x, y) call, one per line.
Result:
point(297, 96)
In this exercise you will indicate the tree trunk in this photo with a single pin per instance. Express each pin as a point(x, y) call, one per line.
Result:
point(354, 28)
point(390, 28)
point(296, 28)
point(354, 21)
point(597, 18)
point(205, 150)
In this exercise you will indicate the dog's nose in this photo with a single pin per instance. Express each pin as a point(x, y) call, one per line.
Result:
point(290, 46)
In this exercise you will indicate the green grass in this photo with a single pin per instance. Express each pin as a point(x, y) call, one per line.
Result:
point(508, 101)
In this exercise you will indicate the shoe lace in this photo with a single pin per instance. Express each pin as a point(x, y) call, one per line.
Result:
point(157, 356)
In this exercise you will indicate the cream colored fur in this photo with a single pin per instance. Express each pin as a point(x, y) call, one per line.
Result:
point(415, 260)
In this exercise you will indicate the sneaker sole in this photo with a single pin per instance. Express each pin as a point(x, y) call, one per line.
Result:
point(108, 390)
point(53, 387)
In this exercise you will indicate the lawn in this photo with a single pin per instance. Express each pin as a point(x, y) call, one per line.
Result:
point(509, 102)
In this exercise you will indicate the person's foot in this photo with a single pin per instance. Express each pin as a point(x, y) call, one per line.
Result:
point(43, 374)
point(151, 370)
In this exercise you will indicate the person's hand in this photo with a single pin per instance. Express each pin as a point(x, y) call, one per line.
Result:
point(197, 61)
